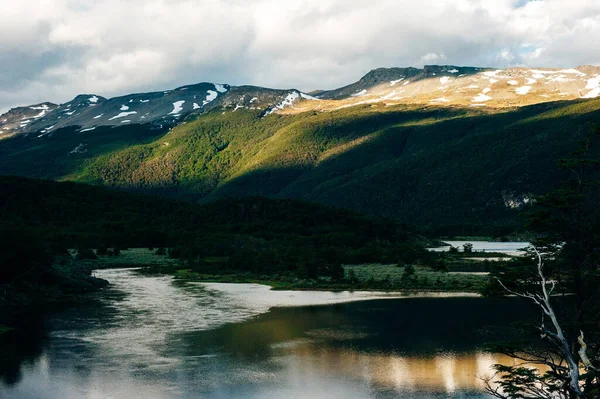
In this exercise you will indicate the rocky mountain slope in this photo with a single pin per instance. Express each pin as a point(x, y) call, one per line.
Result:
point(463, 166)
point(88, 111)
point(433, 84)
point(464, 86)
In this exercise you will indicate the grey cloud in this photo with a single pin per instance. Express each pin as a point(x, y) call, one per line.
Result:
point(64, 47)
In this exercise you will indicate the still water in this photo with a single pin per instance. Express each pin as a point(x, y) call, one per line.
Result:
point(153, 337)
point(509, 248)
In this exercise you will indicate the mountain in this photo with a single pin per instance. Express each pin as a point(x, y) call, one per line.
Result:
point(433, 84)
point(449, 168)
point(18, 119)
point(465, 86)
point(159, 109)
point(392, 77)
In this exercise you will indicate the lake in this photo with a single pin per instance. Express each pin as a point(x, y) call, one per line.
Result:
point(155, 337)
point(510, 248)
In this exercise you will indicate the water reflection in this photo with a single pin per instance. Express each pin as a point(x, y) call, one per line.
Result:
point(154, 338)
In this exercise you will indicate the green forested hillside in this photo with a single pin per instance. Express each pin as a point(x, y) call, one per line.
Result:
point(447, 170)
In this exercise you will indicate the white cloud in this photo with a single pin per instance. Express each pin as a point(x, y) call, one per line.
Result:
point(56, 49)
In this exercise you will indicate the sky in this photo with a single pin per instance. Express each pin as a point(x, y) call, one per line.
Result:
point(52, 50)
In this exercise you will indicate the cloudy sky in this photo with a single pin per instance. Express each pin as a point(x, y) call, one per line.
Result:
point(54, 49)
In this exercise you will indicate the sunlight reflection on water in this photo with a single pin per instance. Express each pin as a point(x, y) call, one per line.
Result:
point(153, 337)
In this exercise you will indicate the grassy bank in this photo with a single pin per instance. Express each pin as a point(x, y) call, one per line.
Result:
point(372, 276)
point(133, 257)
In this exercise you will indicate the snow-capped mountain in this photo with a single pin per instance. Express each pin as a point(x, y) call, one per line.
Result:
point(89, 111)
point(464, 86)
point(18, 119)
point(439, 85)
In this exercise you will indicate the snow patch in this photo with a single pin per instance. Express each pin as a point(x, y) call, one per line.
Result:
point(87, 130)
point(444, 80)
point(486, 90)
point(392, 95)
point(304, 96)
point(211, 95)
point(287, 101)
point(144, 101)
point(481, 98)
point(530, 81)
point(196, 106)
point(359, 93)
point(473, 87)
point(220, 88)
point(492, 81)
point(562, 71)
point(441, 100)
point(98, 116)
point(523, 90)
point(573, 71)
point(122, 115)
point(453, 70)
point(593, 93)
point(93, 99)
point(512, 82)
point(42, 107)
point(177, 107)
point(393, 82)
point(594, 85)
point(124, 108)
point(492, 74)
point(126, 121)
point(42, 113)
point(253, 100)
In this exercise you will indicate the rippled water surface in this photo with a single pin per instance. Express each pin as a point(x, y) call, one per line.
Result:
point(153, 337)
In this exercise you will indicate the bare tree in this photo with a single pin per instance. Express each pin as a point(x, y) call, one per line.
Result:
point(564, 364)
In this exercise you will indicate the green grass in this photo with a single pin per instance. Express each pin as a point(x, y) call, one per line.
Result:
point(368, 276)
point(375, 277)
point(134, 257)
point(424, 278)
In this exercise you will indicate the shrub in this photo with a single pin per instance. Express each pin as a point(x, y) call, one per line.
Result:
point(85, 253)
point(113, 251)
point(409, 272)
point(439, 265)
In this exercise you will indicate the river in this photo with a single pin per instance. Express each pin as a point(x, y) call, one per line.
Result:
point(155, 337)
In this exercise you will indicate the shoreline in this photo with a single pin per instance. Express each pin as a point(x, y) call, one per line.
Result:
point(298, 286)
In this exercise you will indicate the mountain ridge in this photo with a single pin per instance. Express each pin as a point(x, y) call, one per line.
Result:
point(433, 84)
